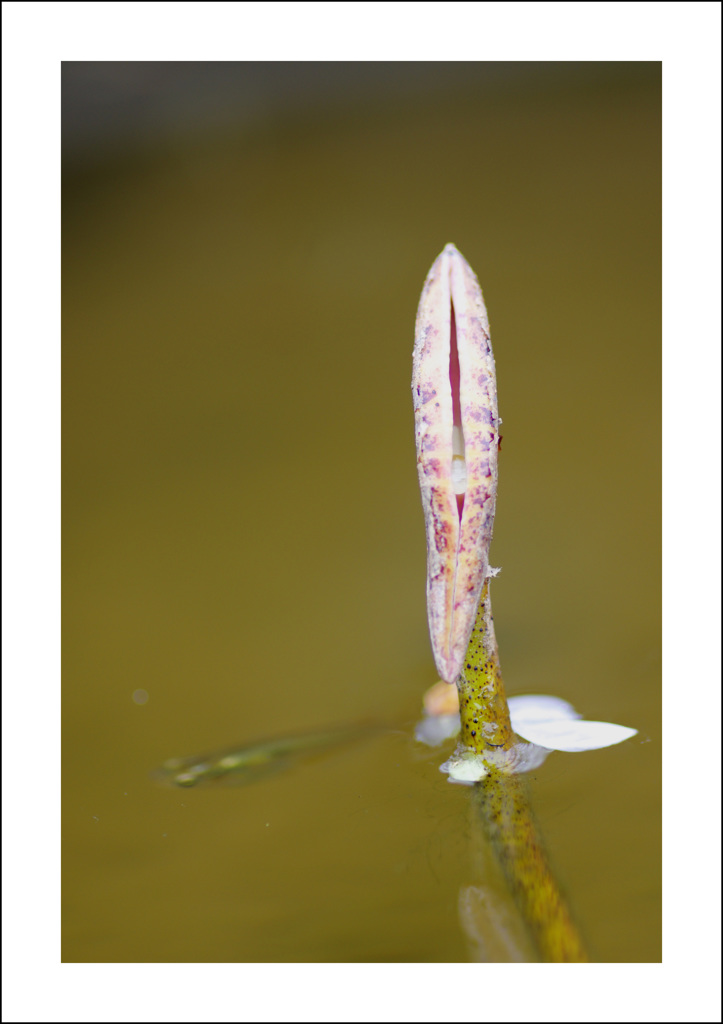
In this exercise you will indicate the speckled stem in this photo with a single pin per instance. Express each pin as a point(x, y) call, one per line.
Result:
point(501, 801)
point(502, 808)
point(482, 702)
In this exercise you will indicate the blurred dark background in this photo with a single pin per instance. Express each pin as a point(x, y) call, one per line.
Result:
point(109, 106)
point(244, 245)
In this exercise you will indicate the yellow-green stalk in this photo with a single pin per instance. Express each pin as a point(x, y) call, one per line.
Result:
point(483, 707)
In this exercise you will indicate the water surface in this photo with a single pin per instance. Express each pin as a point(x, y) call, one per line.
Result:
point(243, 536)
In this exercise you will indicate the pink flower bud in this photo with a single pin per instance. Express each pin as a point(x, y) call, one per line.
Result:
point(457, 435)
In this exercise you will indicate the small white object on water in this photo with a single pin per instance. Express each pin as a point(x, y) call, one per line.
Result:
point(467, 767)
point(435, 729)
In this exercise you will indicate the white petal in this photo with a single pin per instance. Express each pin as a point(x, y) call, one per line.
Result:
point(435, 729)
point(535, 708)
point(553, 723)
point(529, 756)
point(464, 770)
point(563, 734)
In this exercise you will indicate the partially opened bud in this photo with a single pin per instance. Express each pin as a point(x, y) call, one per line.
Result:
point(457, 434)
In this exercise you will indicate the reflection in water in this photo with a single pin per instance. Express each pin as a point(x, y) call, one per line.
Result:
point(494, 930)
point(255, 761)
point(506, 825)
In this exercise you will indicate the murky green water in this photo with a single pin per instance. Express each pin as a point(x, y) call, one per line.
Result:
point(243, 536)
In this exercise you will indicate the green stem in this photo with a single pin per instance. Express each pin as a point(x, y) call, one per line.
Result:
point(482, 702)
point(500, 799)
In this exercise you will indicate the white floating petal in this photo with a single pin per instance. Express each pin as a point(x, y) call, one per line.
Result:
point(435, 729)
point(534, 708)
point(577, 735)
point(553, 723)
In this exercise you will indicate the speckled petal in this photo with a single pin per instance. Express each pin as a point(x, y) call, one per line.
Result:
point(452, 327)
